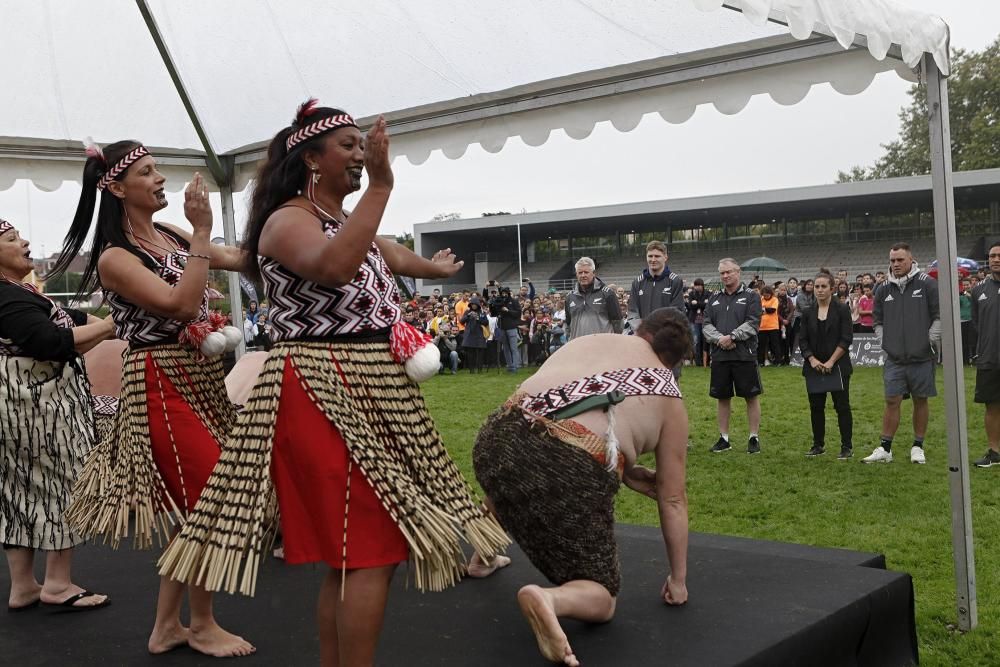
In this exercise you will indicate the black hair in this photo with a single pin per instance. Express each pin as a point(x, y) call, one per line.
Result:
point(670, 334)
point(281, 177)
point(108, 231)
point(900, 246)
point(699, 281)
point(993, 245)
point(824, 273)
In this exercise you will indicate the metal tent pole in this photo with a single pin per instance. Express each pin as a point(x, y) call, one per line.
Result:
point(954, 381)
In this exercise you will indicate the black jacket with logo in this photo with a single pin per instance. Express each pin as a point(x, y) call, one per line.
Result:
point(737, 315)
point(905, 316)
point(651, 292)
point(986, 318)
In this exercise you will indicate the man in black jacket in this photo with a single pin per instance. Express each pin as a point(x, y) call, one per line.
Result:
point(508, 313)
point(656, 287)
point(696, 300)
point(986, 319)
point(908, 323)
point(732, 318)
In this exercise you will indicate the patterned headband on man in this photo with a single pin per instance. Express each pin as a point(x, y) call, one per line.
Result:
point(311, 130)
point(5, 226)
point(124, 163)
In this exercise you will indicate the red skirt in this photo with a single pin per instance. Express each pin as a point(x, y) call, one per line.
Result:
point(312, 477)
point(183, 449)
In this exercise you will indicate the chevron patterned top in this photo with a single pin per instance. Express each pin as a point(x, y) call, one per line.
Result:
point(141, 327)
point(303, 309)
point(629, 381)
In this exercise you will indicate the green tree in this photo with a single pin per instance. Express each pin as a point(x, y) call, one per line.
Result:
point(974, 110)
point(405, 239)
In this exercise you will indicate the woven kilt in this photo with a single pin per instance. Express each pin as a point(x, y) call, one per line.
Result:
point(555, 499)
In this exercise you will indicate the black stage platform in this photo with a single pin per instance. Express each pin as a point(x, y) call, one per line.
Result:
point(751, 603)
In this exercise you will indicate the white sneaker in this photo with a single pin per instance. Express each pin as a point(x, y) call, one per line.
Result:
point(917, 455)
point(878, 456)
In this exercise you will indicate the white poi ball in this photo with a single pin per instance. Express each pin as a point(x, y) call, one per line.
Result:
point(213, 345)
point(233, 337)
point(425, 364)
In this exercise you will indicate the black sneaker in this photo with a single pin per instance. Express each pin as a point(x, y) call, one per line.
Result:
point(816, 450)
point(721, 445)
point(992, 458)
point(845, 453)
point(753, 445)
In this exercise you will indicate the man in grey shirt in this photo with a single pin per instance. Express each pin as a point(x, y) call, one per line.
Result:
point(986, 320)
point(591, 307)
point(907, 321)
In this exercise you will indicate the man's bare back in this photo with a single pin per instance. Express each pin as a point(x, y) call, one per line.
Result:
point(639, 420)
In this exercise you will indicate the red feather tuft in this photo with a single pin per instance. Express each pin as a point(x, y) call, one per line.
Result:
point(217, 320)
point(306, 109)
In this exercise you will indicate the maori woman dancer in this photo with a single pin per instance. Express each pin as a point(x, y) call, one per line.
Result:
point(363, 481)
point(46, 428)
point(543, 444)
point(172, 412)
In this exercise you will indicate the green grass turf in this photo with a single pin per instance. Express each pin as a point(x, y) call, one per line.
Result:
point(900, 509)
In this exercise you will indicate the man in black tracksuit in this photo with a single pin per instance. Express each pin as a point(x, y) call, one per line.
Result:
point(656, 287)
point(986, 320)
point(732, 318)
point(907, 320)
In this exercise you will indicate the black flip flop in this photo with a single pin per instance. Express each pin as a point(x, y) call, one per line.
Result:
point(69, 604)
point(23, 607)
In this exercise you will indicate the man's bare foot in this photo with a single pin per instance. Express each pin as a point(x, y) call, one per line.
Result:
point(552, 642)
point(213, 640)
point(167, 639)
point(57, 596)
point(24, 597)
point(478, 569)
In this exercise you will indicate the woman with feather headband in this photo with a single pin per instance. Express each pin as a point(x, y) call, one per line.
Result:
point(173, 412)
point(335, 433)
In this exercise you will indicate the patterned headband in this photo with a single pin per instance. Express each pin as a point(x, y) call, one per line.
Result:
point(5, 226)
point(121, 166)
point(319, 127)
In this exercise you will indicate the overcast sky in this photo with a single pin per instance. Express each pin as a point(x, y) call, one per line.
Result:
point(765, 146)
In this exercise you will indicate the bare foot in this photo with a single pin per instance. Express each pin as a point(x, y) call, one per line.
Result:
point(213, 640)
point(167, 639)
point(24, 597)
point(478, 569)
point(552, 642)
point(58, 596)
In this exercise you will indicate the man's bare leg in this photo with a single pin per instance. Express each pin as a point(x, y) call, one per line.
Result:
point(168, 632)
point(890, 418)
point(993, 426)
point(24, 588)
point(478, 568)
point(722, 415)
point(206, 635)
point(921, 415)
point(753, 414)
point(582, 600)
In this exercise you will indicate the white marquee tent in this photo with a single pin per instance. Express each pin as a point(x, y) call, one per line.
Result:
point(208, 83)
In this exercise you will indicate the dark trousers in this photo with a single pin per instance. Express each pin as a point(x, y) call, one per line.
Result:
point(769, 340)
point(473, 358)
point(968, 341)
point(842, 404)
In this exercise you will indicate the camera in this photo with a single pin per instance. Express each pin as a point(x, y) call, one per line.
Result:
point(501, 300)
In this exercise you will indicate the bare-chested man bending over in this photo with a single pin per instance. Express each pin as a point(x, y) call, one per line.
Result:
point(552, 458)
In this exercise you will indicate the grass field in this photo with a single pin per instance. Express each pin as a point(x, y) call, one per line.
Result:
point(900, 509)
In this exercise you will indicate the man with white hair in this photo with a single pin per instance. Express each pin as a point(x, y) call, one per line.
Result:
point(591, 307)
point(732, 319)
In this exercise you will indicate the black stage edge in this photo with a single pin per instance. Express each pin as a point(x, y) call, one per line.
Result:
point(751, 602)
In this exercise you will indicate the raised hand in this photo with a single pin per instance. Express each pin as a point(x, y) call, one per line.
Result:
point(377, 162)
point(197, 209)
point(447, 263)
